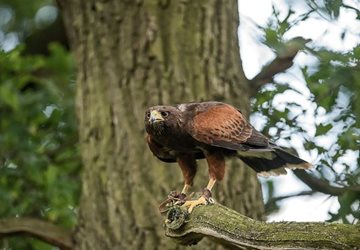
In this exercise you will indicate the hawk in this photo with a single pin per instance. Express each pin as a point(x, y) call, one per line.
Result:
point(212, 130)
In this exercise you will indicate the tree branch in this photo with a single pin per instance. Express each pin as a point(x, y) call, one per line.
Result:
point(39, 229)
point(282, 62)
point(321, 185)
point(237, 231)
point(271, 203)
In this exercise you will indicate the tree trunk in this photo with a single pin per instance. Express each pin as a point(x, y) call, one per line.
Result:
point(131, 55)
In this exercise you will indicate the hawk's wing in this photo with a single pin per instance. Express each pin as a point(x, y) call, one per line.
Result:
point(221, 125)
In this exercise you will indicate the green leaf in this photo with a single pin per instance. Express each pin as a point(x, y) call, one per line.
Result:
point(323, 129)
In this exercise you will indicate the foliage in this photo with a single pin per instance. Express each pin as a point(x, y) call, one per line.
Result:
point(334, 85)
point(21, 18)
point(39, 160)
point(39, 157)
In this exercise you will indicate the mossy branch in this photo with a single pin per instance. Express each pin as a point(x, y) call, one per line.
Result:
point(232, 229)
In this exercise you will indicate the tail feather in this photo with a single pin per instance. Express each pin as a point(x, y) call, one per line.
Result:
point(274, 165)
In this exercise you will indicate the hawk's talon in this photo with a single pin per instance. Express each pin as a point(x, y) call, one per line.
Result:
point(173, 198)
point(190, 205)
point(182, 197)
point(205, 199)
point(181, 200)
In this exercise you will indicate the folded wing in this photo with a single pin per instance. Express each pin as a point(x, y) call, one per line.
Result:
point(221, 125)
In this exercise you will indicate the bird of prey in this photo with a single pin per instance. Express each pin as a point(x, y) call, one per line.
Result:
point(212, 130)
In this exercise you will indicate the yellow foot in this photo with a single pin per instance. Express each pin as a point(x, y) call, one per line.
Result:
point(190, 205)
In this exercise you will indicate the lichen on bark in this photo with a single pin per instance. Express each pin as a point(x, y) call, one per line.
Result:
point(230, 228)
point(131, 55)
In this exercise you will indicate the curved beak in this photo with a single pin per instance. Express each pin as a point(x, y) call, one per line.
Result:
point(155, 116)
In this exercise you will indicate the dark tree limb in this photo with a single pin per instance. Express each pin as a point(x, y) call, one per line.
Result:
point(322, 186)
point(36, 228)
point(237, 231)
point(283, 61)
point(271, 203)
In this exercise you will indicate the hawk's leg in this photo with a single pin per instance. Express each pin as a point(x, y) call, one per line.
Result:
point(188, 168)
point(185, 188)
point(216, 163)
point(204, 199)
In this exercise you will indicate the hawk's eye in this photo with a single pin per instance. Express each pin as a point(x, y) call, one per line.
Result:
point(164, 113)
point(148, 115)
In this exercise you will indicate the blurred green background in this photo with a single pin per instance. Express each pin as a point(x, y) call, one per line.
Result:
point(39, 156)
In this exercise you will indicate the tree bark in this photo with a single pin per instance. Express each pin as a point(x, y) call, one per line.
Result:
point(237, 231)
point(135, 54)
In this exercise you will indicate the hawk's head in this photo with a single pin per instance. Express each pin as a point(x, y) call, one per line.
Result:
point(162, 119)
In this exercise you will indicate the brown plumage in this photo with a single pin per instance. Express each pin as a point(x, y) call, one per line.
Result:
point(212, 130)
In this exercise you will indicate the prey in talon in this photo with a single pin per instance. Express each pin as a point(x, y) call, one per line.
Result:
point(212, 131)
